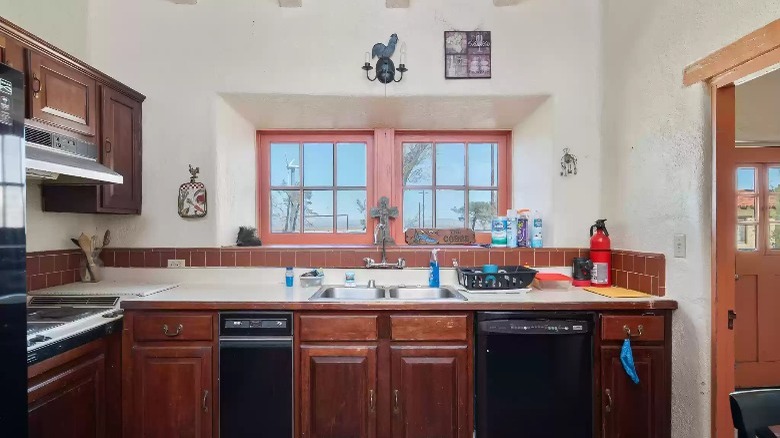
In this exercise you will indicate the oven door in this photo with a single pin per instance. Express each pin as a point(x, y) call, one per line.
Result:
point(256, 387)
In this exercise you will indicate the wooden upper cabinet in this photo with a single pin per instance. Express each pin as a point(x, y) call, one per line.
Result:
point(121, 150)
point(61, 95)
point(338, 391)
point(11, 52)
point(171, 390)
point(430, 391)
point(632, 410)
point(70, 403)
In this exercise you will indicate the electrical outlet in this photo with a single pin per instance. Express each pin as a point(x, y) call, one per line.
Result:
point(679, 246)
point(176, 263)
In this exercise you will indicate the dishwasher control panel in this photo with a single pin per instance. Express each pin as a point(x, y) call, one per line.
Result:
point(535, 326)
point(255, 324)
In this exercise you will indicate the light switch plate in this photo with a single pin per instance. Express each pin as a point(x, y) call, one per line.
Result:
point(679, 245)
point(176, 263)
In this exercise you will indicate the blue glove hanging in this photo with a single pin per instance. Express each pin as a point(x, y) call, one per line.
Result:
point(627, 359)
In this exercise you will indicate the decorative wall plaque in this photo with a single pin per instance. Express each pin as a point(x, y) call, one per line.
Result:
point(467, 55)
point(192, 196)
point(434, 236)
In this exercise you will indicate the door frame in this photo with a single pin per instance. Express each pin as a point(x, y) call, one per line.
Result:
point(751, 56)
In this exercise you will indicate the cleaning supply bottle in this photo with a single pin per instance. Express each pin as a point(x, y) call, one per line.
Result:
point(498, 232)
point(536, 230)
point(433, 270)
point(511, 229)
point(523, 240)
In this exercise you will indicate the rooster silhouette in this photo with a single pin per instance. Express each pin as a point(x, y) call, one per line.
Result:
point(385, 51)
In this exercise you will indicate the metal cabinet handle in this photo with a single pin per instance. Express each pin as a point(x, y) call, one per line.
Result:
point(608, 408)
point(371, 405)
point(205, 397)
point(108, 146)
point(396, 407)
point(631, 335)
point(176, 333)
point(37, 86)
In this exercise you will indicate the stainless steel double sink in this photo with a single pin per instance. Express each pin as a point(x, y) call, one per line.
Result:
point(416, 293)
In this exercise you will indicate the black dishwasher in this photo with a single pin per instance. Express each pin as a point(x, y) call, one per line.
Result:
point(534, 374)
point(255, 374)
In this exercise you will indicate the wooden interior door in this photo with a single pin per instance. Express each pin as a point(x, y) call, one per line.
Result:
point(121, 151)
point(757, 267)
point(338, 391)
point(172, 391)
point(429, 391)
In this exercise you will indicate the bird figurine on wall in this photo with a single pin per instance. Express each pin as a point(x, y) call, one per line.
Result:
point(385, 51)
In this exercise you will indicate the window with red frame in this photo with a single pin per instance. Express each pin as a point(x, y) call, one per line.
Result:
point(318, 188)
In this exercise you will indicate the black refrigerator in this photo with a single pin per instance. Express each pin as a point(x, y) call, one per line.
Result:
point(13, 289)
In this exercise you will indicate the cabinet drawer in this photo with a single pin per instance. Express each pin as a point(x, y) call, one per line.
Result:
point(429, 327)
point(173, 327)
point(338, 327)
point(642, 328)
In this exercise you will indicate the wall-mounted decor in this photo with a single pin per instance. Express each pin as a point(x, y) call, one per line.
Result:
point(467, 54)
point(384, 212)
point(568, 163)
point(385, 69)
point(192, 196)
point(434, 236)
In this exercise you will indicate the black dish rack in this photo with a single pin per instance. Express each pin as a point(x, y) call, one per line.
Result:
point(509, 277)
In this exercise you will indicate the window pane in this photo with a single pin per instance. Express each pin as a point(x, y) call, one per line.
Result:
point(418, 164)
point(772, 204)
point(352, 214)
point(746, 237)
point(746, 208)
point(482, 209)
point(317, 164)
point(773, 174)
point(418, 209)
point(450, 164)
point(746, 179)
point(450, 208)
point(774, 236)
point(285, 164)
point(285, 211)
point(351, 164)
point(318, 211)
point(483, 164)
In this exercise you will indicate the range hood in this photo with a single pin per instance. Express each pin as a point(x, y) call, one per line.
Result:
point(60, 159)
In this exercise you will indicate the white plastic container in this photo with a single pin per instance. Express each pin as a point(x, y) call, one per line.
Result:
point(537, 240)
point(498, 232)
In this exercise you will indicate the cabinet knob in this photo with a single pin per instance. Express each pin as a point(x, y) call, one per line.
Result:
point(205, 398)
point(176, 333)
point(396, 407)
point(108, 145)
point(608, 408)
point(37, 86)
point(371, 402)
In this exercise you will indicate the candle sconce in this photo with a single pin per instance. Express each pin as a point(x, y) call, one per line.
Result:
point(385, 68)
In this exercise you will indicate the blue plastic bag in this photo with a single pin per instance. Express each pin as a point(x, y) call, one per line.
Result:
point(627, 359)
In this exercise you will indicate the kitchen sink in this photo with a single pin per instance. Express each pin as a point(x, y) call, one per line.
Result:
point(424, 293)
point(348, 293)
point(418, 293)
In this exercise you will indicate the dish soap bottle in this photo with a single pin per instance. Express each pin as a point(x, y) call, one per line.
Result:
point(536, 230)
point(433, 270)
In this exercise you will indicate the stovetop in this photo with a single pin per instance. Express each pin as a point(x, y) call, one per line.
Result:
point(44, 318)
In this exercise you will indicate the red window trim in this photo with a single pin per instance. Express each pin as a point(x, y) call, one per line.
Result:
point(384, 157)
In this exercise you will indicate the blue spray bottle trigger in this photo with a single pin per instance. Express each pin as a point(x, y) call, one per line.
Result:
point(627, 359)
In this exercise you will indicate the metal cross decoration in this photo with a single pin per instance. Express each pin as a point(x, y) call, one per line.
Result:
point(384, 213)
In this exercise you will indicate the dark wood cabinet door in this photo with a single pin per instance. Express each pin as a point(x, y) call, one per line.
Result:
point(430, 391)
point(634, 410)
point(11, 52)
point(62, 96)
point(171, 389)
point(338, 391)
point(121, 151)
point(71, 403)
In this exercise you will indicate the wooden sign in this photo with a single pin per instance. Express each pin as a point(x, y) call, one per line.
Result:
point(433, 236)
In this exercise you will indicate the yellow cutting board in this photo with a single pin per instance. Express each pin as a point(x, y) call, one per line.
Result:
point(616, 292)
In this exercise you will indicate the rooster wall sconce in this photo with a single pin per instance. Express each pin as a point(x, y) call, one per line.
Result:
point(385, 69)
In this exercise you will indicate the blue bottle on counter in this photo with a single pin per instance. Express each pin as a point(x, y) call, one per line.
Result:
point(289, 277)
point(433, 270)
point(536, 231)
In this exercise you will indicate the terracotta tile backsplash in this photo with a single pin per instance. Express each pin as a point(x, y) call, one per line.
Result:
point(641, 271)
point(52, 268)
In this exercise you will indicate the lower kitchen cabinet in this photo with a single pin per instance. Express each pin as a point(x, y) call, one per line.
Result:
point(430, 391)
point(171, 390)
point(338, 391)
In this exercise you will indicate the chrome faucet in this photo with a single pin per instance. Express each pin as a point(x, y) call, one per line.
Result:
point(383, 264)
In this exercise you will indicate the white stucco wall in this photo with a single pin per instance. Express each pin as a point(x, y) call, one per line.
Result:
point(182, 57)
point(657, 161)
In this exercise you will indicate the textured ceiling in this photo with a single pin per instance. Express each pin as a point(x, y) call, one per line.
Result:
point(272, 111)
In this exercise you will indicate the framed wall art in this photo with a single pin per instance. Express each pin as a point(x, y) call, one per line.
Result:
point(467, 54)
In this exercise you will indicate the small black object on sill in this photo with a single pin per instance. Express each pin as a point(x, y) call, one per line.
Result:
point(247, 236)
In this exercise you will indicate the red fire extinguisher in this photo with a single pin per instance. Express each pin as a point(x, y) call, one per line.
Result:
point(600, 254)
